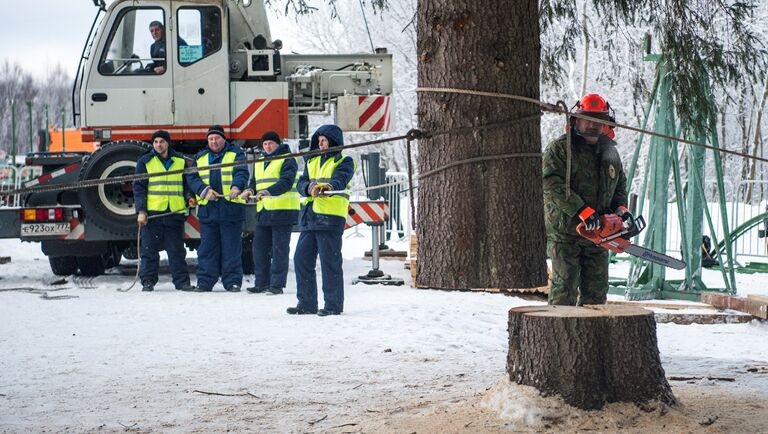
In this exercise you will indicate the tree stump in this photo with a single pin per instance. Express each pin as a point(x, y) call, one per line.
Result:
point(589, 355)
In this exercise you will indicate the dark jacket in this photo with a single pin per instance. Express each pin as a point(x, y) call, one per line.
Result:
point(221, 210)
point(287, 177)
point(308, 220)
point(140, 186)
point(157, 51)
point(597, 181)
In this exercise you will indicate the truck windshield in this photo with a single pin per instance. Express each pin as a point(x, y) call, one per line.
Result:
point(136, 43)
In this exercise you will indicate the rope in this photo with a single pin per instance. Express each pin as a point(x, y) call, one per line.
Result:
point(555, 109)
point(78, 185)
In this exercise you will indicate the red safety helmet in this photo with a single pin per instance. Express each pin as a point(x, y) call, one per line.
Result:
point(596, 106)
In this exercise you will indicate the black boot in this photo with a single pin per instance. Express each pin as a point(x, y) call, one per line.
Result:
point(147, 285)
point(274, 291)
point(326, 312)
point(299, 311)
point(257, 289)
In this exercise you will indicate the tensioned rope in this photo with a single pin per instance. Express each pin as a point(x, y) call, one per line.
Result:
point(413, 134)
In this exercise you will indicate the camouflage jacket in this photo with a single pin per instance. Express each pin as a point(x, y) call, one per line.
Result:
point(597, 180)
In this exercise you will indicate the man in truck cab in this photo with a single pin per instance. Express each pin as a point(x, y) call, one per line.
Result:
point(162, 198)
point(157, 50)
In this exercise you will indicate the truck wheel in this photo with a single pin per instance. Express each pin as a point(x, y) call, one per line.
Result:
point(91, 265)
point(63, 265)
point(110, 207)
point(113, 257)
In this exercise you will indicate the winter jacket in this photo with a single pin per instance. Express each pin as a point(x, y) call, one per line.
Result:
point(140, 186)
point(597, 181)
point(288, 171)
point(308, 219)
point(221, 210)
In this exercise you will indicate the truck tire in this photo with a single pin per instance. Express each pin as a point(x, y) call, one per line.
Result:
point(91, 265)
point(63, 265)
point(110, 207)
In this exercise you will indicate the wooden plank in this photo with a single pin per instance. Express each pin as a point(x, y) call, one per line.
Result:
point(758, 298)
point(661, 305)
point(722, 301)
point(757, 306)
point(699, 318)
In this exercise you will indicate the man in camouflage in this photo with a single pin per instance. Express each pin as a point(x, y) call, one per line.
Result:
point(597, 186)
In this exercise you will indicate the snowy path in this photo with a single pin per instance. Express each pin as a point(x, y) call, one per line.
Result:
point(108, 359)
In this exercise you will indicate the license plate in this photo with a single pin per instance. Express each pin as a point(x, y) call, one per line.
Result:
point(43, 229)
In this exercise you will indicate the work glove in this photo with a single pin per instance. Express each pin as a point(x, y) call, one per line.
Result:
point(320, 189)
point(210, 194)
point(590, 218)
point(261, 194)
point(234, 192)
point(245, 195)
point(142, 219)
point(311, 187)
point(624, 213)
point(191, 202)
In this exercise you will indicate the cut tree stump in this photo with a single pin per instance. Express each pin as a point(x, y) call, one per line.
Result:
point(588, 355)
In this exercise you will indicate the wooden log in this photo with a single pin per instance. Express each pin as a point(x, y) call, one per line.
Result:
point(590, 355)
point(757, 305)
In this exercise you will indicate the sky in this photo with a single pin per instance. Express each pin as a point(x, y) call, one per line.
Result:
point(39, 34)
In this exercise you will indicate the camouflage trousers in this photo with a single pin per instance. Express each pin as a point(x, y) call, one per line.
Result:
point(579, 273)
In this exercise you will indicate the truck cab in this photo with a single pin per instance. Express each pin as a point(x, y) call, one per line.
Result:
point(185, 65)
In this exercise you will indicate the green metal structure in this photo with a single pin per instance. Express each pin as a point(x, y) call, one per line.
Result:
point(648, 280)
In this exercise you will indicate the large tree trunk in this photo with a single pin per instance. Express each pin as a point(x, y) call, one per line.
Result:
point(589, 355)
point(480, 225)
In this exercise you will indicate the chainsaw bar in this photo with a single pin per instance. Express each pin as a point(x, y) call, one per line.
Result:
point(655, 257)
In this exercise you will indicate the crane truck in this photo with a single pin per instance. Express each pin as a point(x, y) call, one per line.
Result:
point(218, 65)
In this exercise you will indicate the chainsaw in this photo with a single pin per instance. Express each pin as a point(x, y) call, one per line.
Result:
point(614, 234)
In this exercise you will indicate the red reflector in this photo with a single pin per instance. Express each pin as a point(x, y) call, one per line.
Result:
point(41, 214)
point(58, 214)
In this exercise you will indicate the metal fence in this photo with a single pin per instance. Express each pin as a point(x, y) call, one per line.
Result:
point(746, 202)
point(9, 179)
point(398, 226)
point(13, 177)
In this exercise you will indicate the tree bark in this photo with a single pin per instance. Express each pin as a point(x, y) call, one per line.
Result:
point(589, 355)
point(480, 225)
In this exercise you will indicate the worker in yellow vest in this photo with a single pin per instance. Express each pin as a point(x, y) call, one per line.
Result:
point(277, 210)
point(321, 222)
point(221, 213)
point(162, 194)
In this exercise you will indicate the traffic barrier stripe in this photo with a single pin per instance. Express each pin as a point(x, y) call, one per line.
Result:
point(76, 230)
point(49, 176)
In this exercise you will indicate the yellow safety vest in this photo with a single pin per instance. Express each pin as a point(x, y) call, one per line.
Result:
point(226, 176)
point(268, 177)
point(338, 204)
point(165, 191)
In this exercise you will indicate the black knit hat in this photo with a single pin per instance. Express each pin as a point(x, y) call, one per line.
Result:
point(217, 129)
point(270, 135)
point(162, 134)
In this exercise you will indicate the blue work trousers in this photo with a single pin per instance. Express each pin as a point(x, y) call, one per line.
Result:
point(164, 233)
point(220, 254)
point(328, 245)
point(271, 246)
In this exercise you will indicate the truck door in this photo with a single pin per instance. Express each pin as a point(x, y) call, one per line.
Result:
point(200, 69)
point(130, 81)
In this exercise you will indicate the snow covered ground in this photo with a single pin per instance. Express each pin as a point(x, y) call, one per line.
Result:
point(108, 360)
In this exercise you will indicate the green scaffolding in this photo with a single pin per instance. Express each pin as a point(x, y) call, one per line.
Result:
point(647, 280)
